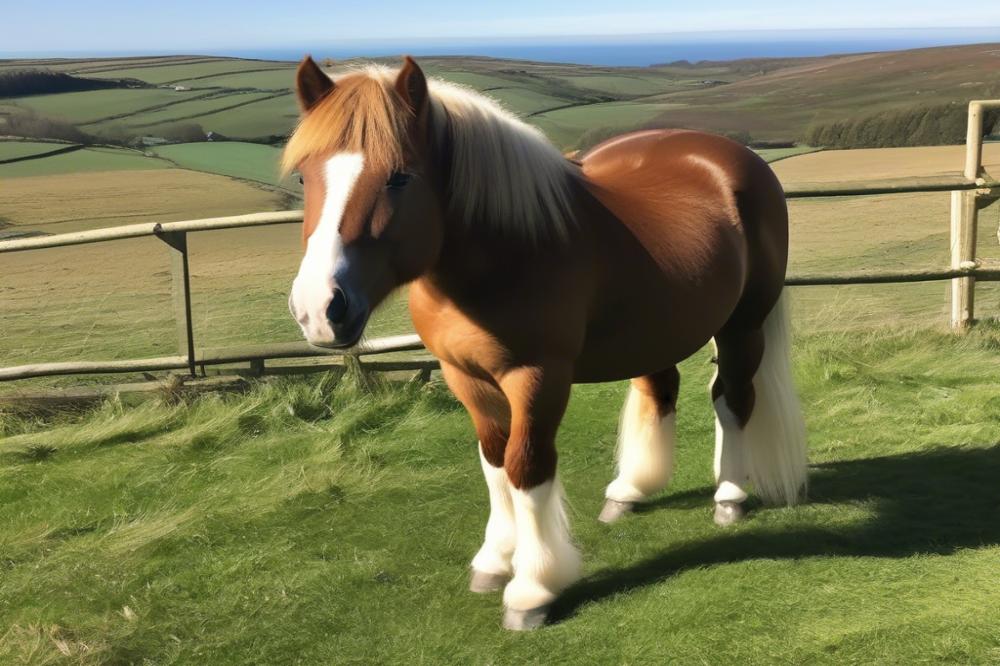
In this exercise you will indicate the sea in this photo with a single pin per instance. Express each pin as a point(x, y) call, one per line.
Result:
point(645, 50)
point(609, 50)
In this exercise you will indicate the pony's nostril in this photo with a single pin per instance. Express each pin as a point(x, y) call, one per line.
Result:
point(336, 312)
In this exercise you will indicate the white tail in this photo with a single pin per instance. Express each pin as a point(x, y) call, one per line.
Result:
point(775, 436)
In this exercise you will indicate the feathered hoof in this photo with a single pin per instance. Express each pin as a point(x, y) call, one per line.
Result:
point(613, 510)
point(728, 513)
point(526, 620)
point(481, 582)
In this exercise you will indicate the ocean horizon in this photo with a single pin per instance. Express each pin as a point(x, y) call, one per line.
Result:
point(611, 50)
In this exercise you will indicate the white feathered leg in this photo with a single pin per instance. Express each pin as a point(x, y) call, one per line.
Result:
point(646, 437)
point(545, 560)
point(492, 567)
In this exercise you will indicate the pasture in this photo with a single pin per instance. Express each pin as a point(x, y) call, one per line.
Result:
point(251, 161)
point(314, 521)
point(96, 159)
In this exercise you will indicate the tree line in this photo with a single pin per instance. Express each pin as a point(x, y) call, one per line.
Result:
point(938, 125)
point(23, 82)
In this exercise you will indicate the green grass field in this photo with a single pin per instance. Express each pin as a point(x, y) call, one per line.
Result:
point(277, 79)
point(274, 116)
point(170, 73)
point(92, 105)
point(313, 522)
point(194, 110)
point(85, 160)
point(12, 150)
point(251, 161)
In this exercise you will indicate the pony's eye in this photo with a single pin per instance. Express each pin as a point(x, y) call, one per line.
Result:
point(301, 182)
point(398, 180)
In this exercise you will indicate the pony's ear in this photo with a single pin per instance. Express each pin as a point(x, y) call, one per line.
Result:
point(311, 83)
point(412, 86)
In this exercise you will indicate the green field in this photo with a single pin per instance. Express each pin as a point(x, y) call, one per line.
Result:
point(86, 160)
point(11, 150)
point(566, 126)
point(173, 73)
point(315, 522)
point(278, 79)
point(625, 83)
point(274, 116)
point(251, 161)
point(92, 105)
point(194, 110)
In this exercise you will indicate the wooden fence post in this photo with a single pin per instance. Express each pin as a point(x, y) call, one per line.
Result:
point(963, 254)
point(964, 214)
point(180, 283)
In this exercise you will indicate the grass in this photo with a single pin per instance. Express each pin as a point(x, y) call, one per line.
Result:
point(317, 522)
point(776, 154)
point(89, 200)
point(565, 126)
point(83, 161)
point(168, 72)
point(10, 150)
point(283, 78)
point(91, 105)
point(251, 161)
point(268, 117)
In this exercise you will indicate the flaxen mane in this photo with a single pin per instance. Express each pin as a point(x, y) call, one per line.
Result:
point(504, 172)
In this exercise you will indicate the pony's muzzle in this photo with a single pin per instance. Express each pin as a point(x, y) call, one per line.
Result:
point(336, 312)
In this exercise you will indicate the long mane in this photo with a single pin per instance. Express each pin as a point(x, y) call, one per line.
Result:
point(505, 174)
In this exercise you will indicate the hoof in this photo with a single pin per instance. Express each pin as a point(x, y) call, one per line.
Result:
point(482, 582)
point(613, 510)
point(525, 620)
point(728, 513)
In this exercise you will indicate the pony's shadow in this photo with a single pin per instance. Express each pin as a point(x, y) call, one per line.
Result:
point(932, 502)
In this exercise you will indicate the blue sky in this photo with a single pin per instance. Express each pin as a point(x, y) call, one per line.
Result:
point(58, 25)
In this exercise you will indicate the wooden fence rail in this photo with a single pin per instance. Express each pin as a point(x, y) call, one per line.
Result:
point(969, 192)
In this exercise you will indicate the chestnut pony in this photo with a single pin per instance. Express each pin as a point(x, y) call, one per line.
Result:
point(529, 272)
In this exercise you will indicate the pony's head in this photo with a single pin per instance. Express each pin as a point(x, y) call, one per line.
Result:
point(372, 218)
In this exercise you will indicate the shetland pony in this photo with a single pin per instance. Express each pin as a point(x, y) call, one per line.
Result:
point(529, 272)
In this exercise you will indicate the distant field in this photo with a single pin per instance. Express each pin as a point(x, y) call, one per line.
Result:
point(240, 160)
point(524, 101)
point(10, 150)
point(79, 201)
point(170, 73)
point(192, 111)
point(273, 79)
point(97, 160)
point(276, 116)
point(565, 126)
point(775, 154)
point(625, 83)
point(112, 299)
point(878, 163)
point(91, 105)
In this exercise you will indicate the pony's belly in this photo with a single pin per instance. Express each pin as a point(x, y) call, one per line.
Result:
point(626, 357)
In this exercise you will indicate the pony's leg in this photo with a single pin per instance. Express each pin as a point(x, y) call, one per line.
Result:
point(545, 559)
point(486, 404)
point(645, 443)
point(760, 434)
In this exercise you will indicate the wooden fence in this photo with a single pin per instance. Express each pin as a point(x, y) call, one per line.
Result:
point(970, 192)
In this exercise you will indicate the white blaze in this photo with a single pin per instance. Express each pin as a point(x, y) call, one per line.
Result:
point(312, 289)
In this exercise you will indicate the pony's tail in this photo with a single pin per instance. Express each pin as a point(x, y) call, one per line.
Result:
point(776, 432)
